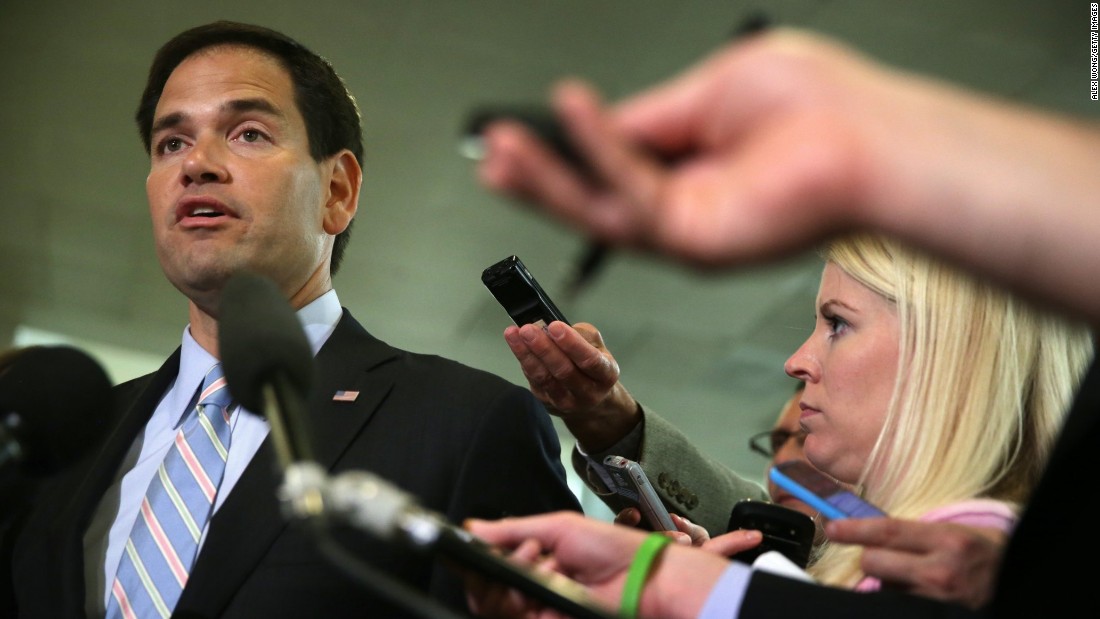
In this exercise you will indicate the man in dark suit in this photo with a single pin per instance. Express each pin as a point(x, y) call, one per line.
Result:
point(256, 153)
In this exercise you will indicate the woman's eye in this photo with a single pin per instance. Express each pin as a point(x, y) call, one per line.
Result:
point(837, 325)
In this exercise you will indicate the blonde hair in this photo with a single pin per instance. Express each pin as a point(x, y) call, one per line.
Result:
point(984, 381)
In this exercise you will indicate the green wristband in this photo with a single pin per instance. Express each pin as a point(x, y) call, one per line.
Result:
point(639, 570)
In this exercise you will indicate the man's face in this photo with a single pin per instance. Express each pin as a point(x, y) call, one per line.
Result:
point(232, 185)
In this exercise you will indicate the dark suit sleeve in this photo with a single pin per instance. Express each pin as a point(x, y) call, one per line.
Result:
point(511, 467)
point(770, 596)
point(11, 489)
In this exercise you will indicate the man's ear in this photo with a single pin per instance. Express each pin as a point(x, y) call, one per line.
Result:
point(343, 192)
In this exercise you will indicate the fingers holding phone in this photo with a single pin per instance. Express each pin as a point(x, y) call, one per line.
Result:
point(697, 535)
point(517, 162)
point(627, 479)
point(571, 159)
point(565, 355)
point(547, 369)
point(687, 532)
point(576, 381)
point(733, 543)
point(629, 517)
point(568, 368)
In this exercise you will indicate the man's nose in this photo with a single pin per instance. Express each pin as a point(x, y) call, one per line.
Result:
point(204, 163)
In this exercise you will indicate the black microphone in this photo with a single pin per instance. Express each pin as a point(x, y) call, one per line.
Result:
point(267, 360)
point(54, 403)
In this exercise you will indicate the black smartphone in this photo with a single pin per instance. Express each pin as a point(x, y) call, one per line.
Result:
point(539, 120)
point(520, 294)
point(785, 530)
point(821, 492)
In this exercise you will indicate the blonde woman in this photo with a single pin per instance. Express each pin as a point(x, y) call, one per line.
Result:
point(937, 395)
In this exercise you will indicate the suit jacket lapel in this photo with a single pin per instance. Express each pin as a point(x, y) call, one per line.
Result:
point(250, 519)
point(357, 362)
point(87, 493)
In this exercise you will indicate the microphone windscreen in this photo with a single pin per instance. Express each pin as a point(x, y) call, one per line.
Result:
point(259, 338)
point(55, 401)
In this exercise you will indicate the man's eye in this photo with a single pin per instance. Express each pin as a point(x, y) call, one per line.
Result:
point(251, 135)
point(172, 145)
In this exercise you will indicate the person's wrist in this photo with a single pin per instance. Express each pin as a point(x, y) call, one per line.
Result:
point(601, 428)
point(669, 594)
point(646, 558)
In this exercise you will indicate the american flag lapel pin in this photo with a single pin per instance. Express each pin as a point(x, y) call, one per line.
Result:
point(345, 396)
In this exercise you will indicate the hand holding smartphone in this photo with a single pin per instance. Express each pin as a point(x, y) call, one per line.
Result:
point(630, 481)
point(539, 120)
point(821, 492)
point(542, 122)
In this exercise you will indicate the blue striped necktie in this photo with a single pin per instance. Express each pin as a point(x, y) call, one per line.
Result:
point(165, 538)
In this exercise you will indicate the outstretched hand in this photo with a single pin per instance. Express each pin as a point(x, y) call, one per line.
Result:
point(763, 149)
point(576, 377)
point(776, 143)
point(689, 533)
point(596, 555)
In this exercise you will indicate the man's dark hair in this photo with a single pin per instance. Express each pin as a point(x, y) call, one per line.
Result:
point(329, 110)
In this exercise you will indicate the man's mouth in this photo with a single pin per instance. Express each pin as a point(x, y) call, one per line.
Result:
point(205, 211)
point(201, 211)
